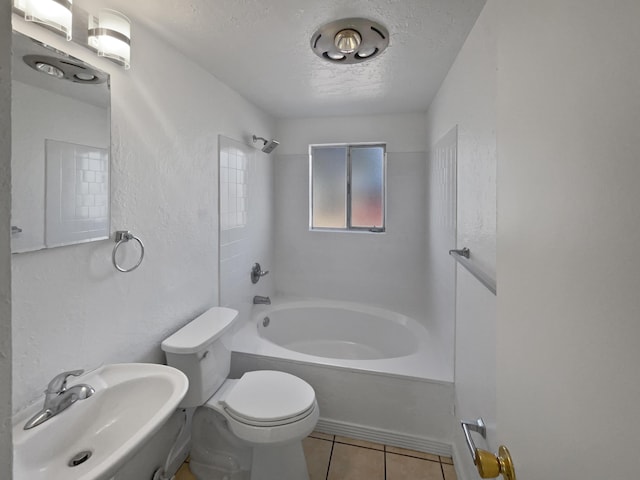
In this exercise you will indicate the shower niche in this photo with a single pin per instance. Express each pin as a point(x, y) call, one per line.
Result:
point(60, 148)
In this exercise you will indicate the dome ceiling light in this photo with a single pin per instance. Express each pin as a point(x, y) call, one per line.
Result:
point(350, 40)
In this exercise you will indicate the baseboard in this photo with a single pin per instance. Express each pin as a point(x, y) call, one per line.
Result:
point(458, 462)
point(386, 437)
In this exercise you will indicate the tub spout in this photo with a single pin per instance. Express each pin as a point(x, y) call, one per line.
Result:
point(260, 300)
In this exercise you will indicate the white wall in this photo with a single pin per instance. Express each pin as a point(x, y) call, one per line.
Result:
point(5, 246)
point(72, 309)
point(569, 227)
point(382, 269)
point(467, 98)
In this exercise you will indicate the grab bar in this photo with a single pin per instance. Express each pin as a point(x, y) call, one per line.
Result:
point(462, 257)
point(488, 464)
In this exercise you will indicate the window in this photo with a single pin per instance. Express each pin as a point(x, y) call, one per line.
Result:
point(347, 187)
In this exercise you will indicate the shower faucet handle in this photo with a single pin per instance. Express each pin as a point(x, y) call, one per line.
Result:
point(257, 272)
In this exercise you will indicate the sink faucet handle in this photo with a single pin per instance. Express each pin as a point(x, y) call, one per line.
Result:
point(59, 382)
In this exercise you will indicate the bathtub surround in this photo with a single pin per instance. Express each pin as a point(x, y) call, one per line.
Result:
point(385, 270)
point(381, 269)
point(72, 309)
point(5, 244)
point(246, 234)
point(467, 99)
point(440, 217)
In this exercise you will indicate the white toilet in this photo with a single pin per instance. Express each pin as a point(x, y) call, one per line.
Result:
point(250, 428)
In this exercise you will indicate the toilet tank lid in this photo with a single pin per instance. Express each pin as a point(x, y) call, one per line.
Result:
point(200, 332)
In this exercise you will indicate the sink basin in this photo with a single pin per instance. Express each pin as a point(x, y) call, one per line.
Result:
point(131, 402)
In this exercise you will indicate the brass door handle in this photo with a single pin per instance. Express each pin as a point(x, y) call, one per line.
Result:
point(488, 464)
point(491, 466)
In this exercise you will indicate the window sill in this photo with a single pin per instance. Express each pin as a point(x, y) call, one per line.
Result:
point(343, 230)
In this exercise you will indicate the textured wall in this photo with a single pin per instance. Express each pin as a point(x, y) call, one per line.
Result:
point(467, 98)
point(5, 247)
point(382, 269)
point(569, 223)
point(72, 309)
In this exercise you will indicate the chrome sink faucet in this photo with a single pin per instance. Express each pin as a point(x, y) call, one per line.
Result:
point(57, 397)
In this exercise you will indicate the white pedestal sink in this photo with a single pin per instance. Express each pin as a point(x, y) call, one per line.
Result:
point(131, 402)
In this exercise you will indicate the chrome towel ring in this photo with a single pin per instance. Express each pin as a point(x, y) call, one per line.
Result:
point(123, 236)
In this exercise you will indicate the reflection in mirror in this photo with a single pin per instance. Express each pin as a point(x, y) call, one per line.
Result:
point(60, 148)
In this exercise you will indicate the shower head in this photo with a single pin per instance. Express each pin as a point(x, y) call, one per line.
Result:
point(269, 145)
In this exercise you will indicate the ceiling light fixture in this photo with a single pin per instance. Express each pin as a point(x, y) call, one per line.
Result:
point(49, 69)
point(110, 36)
point(347, 41)
point(350, 40)
point(65, 68)
point(55, 14)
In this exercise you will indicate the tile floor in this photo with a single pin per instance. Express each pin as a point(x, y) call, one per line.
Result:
point(332, 457)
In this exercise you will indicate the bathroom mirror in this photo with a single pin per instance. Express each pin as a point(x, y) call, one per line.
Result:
point(60, 152)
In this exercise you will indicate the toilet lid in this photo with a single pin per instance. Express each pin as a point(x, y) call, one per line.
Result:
point(269, 396)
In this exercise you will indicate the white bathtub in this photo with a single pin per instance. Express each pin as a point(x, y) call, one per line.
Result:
point(344, 335)
point(378, 375)
point(337, 332)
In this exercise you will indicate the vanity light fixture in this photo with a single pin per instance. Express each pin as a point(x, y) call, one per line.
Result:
point(110, 36)
point(54, 14)
point(350, 40)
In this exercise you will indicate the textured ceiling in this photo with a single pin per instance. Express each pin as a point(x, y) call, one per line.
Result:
point(261, 49)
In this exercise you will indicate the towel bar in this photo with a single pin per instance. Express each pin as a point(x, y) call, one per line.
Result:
point(123, 236)
point(462, 257)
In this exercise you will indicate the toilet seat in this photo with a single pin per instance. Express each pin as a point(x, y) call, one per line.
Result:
point(276, 423)
point(279, 397)
point(268, 398)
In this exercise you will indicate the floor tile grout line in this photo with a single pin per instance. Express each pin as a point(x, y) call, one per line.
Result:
point(413, 456)
point(385, 461)
point(442, 470)
point(333, 442)
point(361, 446)
point(383, 449)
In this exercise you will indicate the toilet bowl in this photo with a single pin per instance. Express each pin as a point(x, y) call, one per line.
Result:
point(244, 428)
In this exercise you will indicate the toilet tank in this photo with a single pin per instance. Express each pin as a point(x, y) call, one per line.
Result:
point(199, 350)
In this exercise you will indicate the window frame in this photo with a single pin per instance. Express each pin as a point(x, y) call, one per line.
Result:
point(349, 228)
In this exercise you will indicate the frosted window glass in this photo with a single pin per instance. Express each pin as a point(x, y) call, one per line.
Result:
point(367, 177)
point(329, 187)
